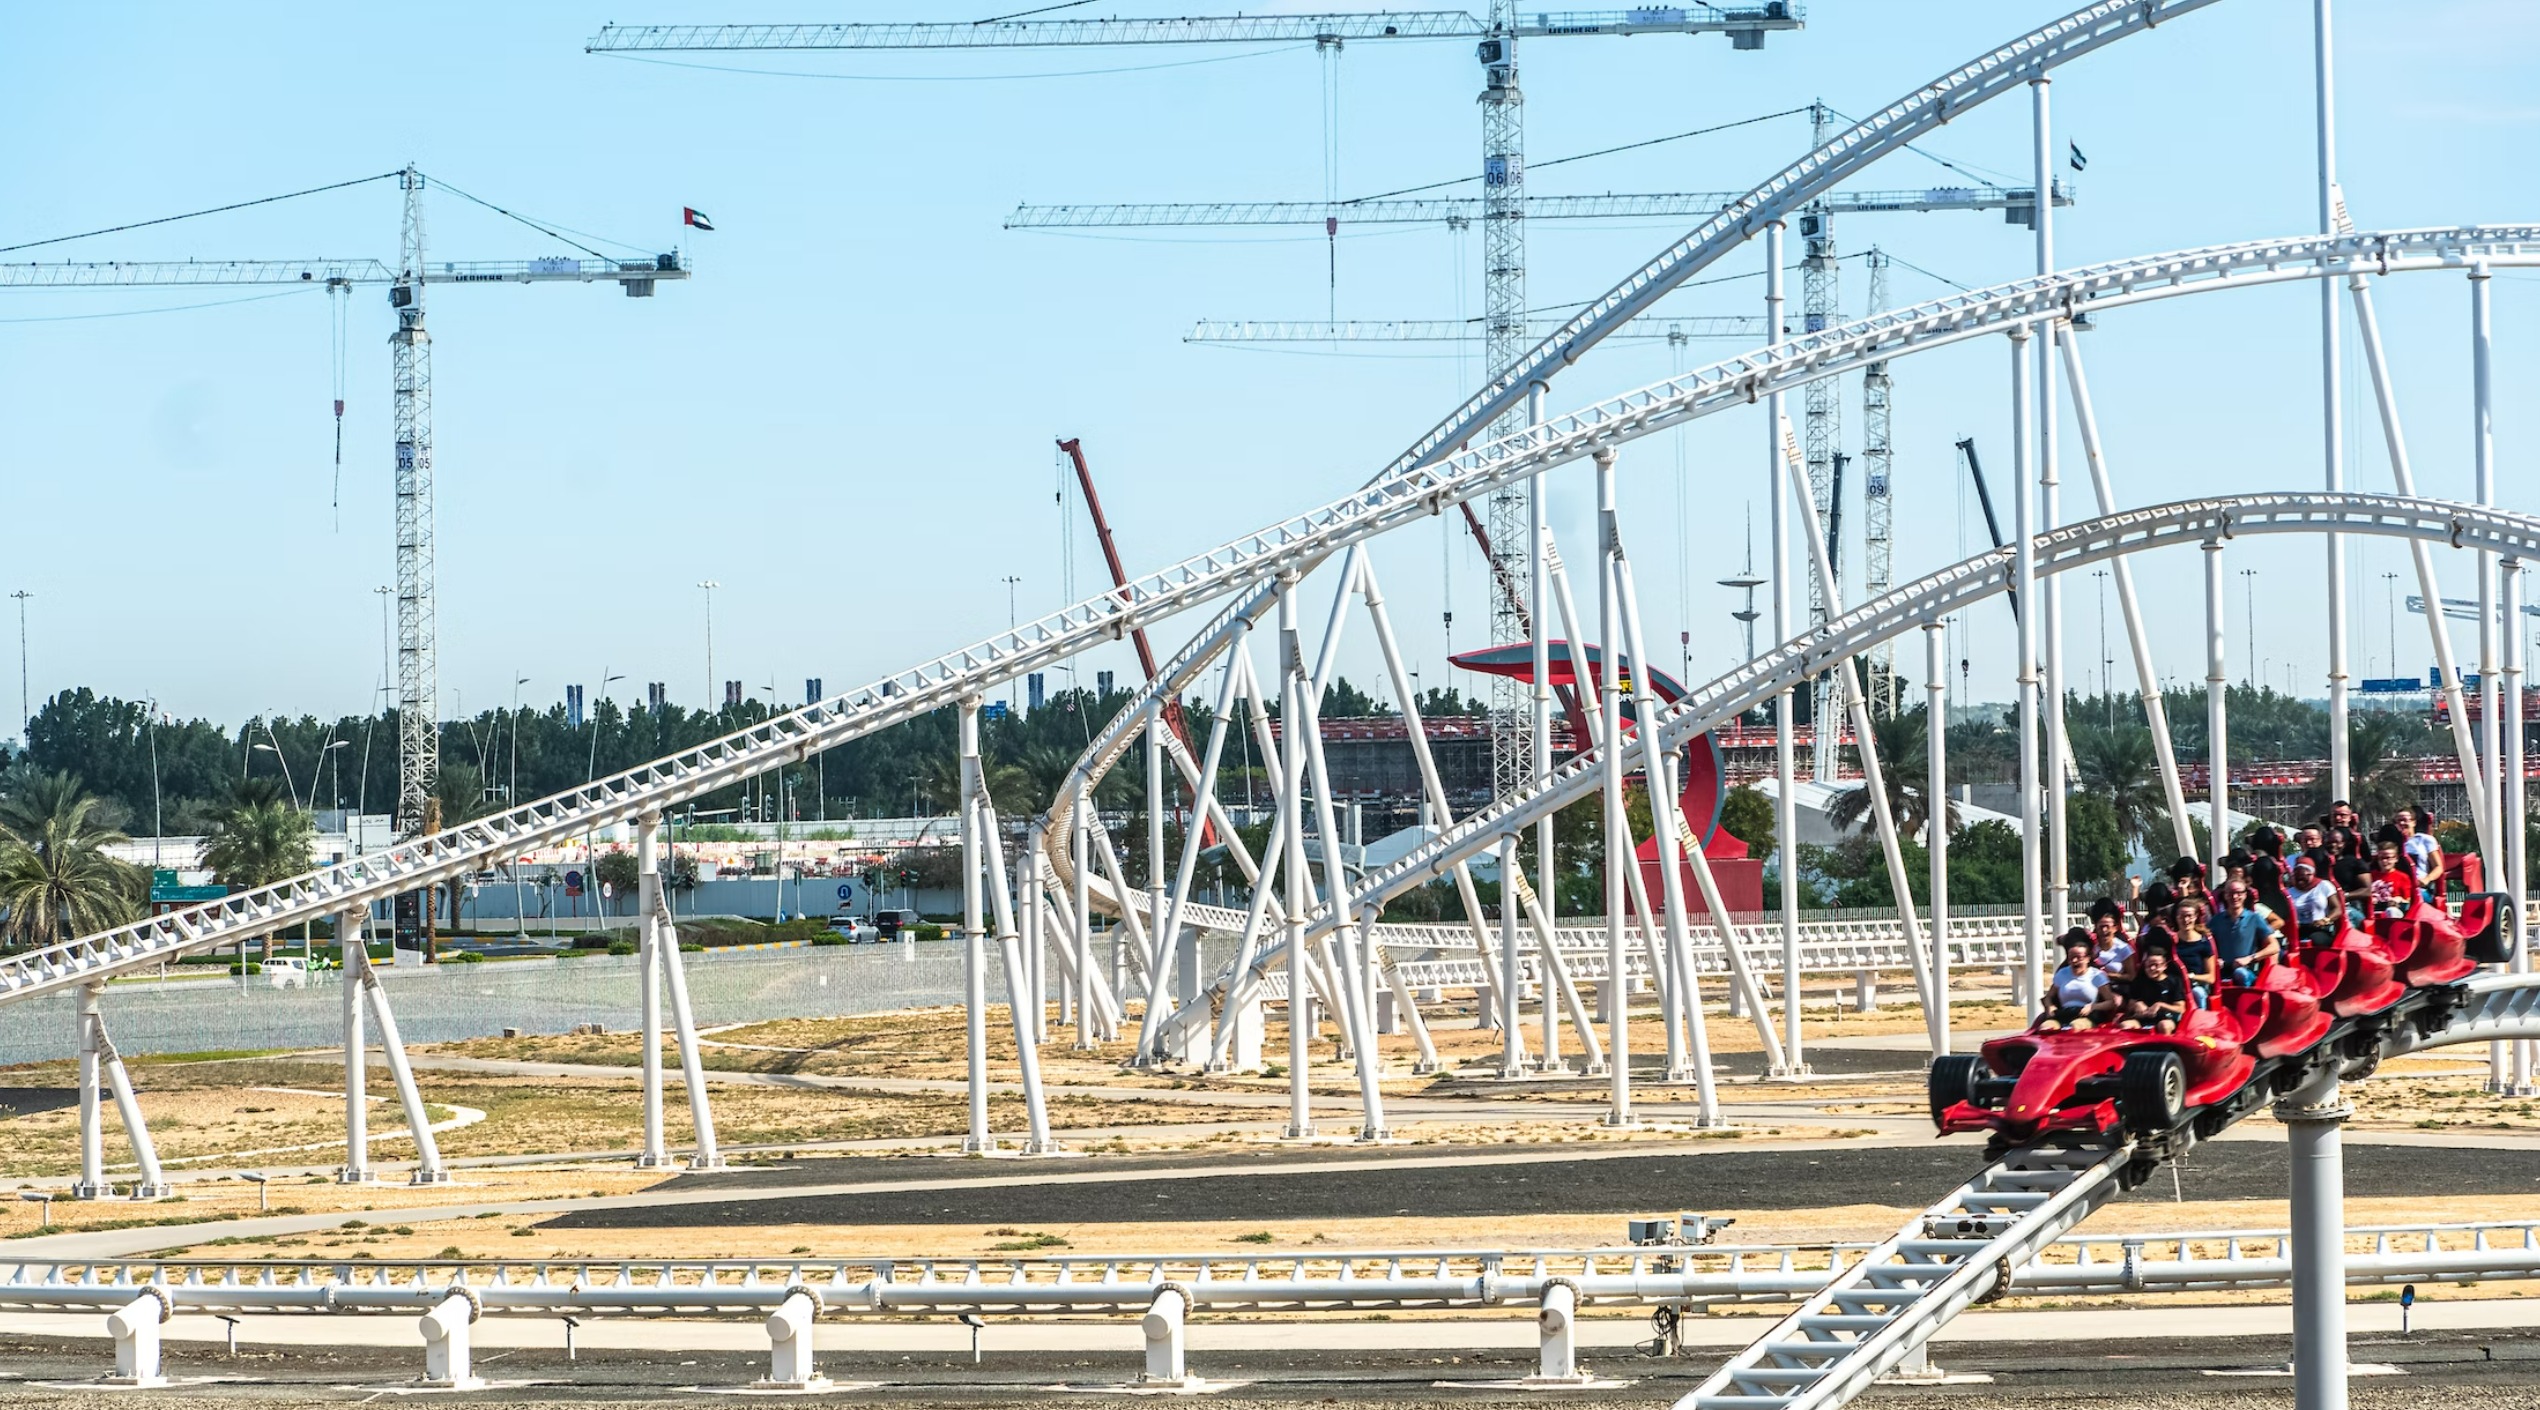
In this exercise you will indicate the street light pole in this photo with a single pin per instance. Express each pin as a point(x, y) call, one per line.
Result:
point(2390, 610)
point(511, 798)
point(1010, 620)
point(26, 707)
point(710, 585)
point(2249, 612)
point(590, 771)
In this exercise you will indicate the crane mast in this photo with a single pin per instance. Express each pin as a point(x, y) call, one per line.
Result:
point(1514, 764)
point(410, 350)
point(1821, 424)
point(1877, 506)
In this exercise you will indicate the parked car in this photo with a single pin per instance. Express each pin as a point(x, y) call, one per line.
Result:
point(891, 923)
point(857, 929)
point(292, 973)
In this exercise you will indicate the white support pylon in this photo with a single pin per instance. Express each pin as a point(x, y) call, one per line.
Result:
point(1170, 964)
point(428, 1167)
point(1936, 824)
point(150, 1183)
point(1618, 995)
point(2517, 798)
point(2030, 981)
point(90, 1033)
point(2049, 490)
point(2217, 741)
point(650, 928)
point(1291, 801)
point(2332, 399)
point(974, 944)
point(692, 1066)
point(1670, 832)
point(353, 963)
point(1350, 973)
point(2315, 1147)
point(2138, 641)
point(1794, 1062)
point(1018, 995)
point(1080, 927)
point(2403, 479)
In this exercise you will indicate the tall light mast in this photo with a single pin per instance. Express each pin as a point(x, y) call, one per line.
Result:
point(418, 674)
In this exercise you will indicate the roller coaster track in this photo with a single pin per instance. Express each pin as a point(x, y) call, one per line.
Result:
point(2002, 69)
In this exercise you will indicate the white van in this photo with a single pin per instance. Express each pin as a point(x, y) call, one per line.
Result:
point(290, 973)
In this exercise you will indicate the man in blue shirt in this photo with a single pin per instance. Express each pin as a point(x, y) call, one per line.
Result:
point(2246, 935)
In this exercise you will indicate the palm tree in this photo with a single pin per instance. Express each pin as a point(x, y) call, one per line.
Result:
point(56, 881)
point(2381, 771)
point(1901, 740)
point(258, 844)
point(2122, 766)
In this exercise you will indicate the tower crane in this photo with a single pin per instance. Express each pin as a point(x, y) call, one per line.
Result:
point(1502, 204)
point(418, 733)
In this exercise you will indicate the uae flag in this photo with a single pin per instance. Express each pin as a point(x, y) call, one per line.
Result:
point(690, 215)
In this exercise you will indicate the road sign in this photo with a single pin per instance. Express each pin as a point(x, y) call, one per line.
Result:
point(573, 883)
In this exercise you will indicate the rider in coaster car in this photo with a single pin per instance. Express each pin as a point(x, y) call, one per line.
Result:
point(2109, 947)
point(2187, 878)
point(2194, 956)
point(2424, 855)
point(2156, 997)
point(2079, 997)
point(2394, 884)
point(2315, 902)
point(2247, 937)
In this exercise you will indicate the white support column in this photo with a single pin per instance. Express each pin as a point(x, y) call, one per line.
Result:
point(92, 1113)
point(1936, 828)
point(355, 953)
point(692, 1065)
point(1028, 900)
point(1160, 958)
point(1512, 1038)
point(2217, 751)
point(2138, 641)
point(2482, 446)
point(2050, 600)
point(2315, 1146)
point(1794, 1062)
point(2332, 429)
point(790, 1362)
point(974, 943)
point(446, 1333)
point(1081, 926)
point(2517, 878)
point(428, 1167)
point(1350, 973)
point(1162, 1330)
point(1291, 806)
point(1618, 832)
point(1557, 1332)
point(1547, 897)
point(2029, 983)
point(650, 931)
point(150, 1183)
point(135, 1328)
point(1675, 839)
point(1173, 948)
point(1018, 996)
point(2403, 478)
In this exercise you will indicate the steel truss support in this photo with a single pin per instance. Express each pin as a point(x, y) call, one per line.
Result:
point(659, 940)
point(352, 968)
point(2138, 641)
point(1020, 998)
point(101, 1070)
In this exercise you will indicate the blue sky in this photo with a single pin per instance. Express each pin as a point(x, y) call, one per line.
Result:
point(847, 417)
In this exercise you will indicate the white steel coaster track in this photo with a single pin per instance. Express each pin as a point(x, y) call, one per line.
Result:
point(1290, 546)
point(2003, 69)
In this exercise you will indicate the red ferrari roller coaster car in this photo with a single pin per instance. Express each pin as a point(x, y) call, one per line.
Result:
point(2098, 1082)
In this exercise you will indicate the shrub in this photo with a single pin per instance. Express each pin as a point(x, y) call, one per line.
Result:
point(252, 967)
point(622, 947)
point(464, 957)
point(930, 931)
point(829, 937)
